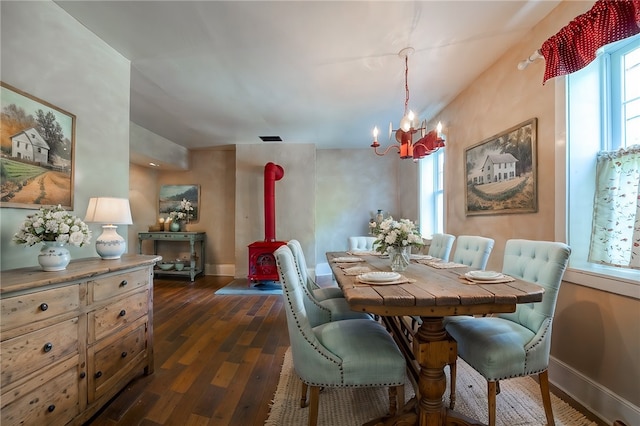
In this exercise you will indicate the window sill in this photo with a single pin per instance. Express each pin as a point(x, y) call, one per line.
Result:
point(625, 282)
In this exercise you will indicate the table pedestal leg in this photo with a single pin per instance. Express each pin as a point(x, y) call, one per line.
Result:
point(432, 349)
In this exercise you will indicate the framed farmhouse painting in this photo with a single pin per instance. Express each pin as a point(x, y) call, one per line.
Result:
point(171, 195)
point(37, 142)
point(501, 172)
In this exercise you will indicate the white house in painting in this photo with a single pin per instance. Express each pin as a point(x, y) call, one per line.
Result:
point(499, 167)
point(29, 145)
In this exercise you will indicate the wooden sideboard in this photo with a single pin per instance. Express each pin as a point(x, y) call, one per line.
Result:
point(71, 340)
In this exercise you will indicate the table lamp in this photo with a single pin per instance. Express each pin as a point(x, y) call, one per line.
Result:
point(110, 212)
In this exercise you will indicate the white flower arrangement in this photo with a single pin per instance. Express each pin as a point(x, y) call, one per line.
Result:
point(53, 224)
point(185, 212)
point(397, 233)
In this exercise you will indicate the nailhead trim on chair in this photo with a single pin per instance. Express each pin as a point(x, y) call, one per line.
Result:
point(316, 346)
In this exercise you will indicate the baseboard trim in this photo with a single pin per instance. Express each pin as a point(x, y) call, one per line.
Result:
point(601, 401)
point(225, 270)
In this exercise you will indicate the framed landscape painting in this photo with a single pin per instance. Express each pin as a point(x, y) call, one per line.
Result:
point(37, 142)
point(171, 195)
point(501, 172)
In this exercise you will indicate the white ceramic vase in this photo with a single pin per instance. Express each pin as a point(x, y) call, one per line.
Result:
point(54, 256)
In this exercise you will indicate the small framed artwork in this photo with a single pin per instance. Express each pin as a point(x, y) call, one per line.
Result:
point(37, 141)
point(171, 196)
point(501, 172)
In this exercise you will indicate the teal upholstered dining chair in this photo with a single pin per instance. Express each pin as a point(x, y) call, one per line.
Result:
point(361, 243)
point(348, 353)
point(473, 251)
point(321, 311)
point(441, 245)
point(515, 344)
point(319, 293)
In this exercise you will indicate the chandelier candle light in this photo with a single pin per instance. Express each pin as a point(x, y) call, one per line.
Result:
point(427, 143)
point(110, 212)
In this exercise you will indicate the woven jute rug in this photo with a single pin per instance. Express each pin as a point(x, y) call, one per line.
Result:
point(519, 402)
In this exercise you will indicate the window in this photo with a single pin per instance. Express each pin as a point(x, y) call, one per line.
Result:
point(603, 115)
point(432, 194)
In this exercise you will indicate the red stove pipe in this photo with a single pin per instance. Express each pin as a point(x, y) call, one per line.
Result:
point(272, 173)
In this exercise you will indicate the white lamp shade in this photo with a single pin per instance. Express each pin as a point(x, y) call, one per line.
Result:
point(110, 212)
point(113, 211)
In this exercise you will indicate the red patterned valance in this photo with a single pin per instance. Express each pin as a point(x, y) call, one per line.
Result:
point(575, 45)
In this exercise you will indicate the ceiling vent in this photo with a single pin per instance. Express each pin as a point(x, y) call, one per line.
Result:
point(271, 138)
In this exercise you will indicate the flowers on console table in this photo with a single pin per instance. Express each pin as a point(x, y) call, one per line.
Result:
point(53, 223)
point(184, 213)
point(397, 234)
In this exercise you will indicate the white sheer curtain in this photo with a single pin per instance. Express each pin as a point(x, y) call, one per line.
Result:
point(615, 239)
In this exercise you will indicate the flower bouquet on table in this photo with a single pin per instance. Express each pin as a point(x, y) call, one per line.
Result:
point(55, 228)
point(396, 237)
point(53, 224)
point(184, 213)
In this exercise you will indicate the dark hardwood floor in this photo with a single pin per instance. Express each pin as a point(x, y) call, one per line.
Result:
point(217, 360)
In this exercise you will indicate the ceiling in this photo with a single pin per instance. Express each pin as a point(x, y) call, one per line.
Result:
point(208, 73)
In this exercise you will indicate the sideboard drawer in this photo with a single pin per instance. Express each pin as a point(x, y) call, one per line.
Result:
point(121, 312)
point(30, 352)
point(54, 402)
point(30, 308)
point(105, 288)
point(111, 360)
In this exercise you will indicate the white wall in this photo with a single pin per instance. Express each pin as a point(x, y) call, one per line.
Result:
point(50, 55)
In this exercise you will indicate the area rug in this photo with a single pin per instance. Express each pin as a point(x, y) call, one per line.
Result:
point(518, 404)
point(241, 287)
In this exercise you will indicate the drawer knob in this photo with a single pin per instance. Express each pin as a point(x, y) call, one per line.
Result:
point(122, 313)
point(51, 408)
point(47, 347)
point(44, 306)
point(123, 354)
point(83, 375)
point(123, 283)
point(98, 374)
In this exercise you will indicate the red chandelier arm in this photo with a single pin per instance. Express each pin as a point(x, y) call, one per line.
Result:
point(375, 146)
point(429, 144)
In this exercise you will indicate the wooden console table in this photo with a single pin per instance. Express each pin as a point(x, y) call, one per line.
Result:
point(73, 339)
point(196, 266)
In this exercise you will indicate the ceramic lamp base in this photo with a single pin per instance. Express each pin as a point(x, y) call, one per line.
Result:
point(110, 245)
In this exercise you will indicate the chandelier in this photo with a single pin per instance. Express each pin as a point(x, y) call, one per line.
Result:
point(426, 143)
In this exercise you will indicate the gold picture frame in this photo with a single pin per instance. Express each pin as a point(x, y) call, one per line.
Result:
point(501, 172)
point(170, 196)
point(37, 144)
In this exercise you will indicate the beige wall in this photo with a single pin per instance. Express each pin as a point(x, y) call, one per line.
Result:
point(214, 171)
point(596, 340)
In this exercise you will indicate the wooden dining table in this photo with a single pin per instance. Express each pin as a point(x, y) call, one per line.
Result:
point(430, 295)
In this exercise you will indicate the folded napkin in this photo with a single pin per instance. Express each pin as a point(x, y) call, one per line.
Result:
point(500, 280)
point(355, 270)
point(444, 265)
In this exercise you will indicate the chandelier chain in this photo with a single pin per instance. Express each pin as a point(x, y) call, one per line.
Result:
point(406, 84)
